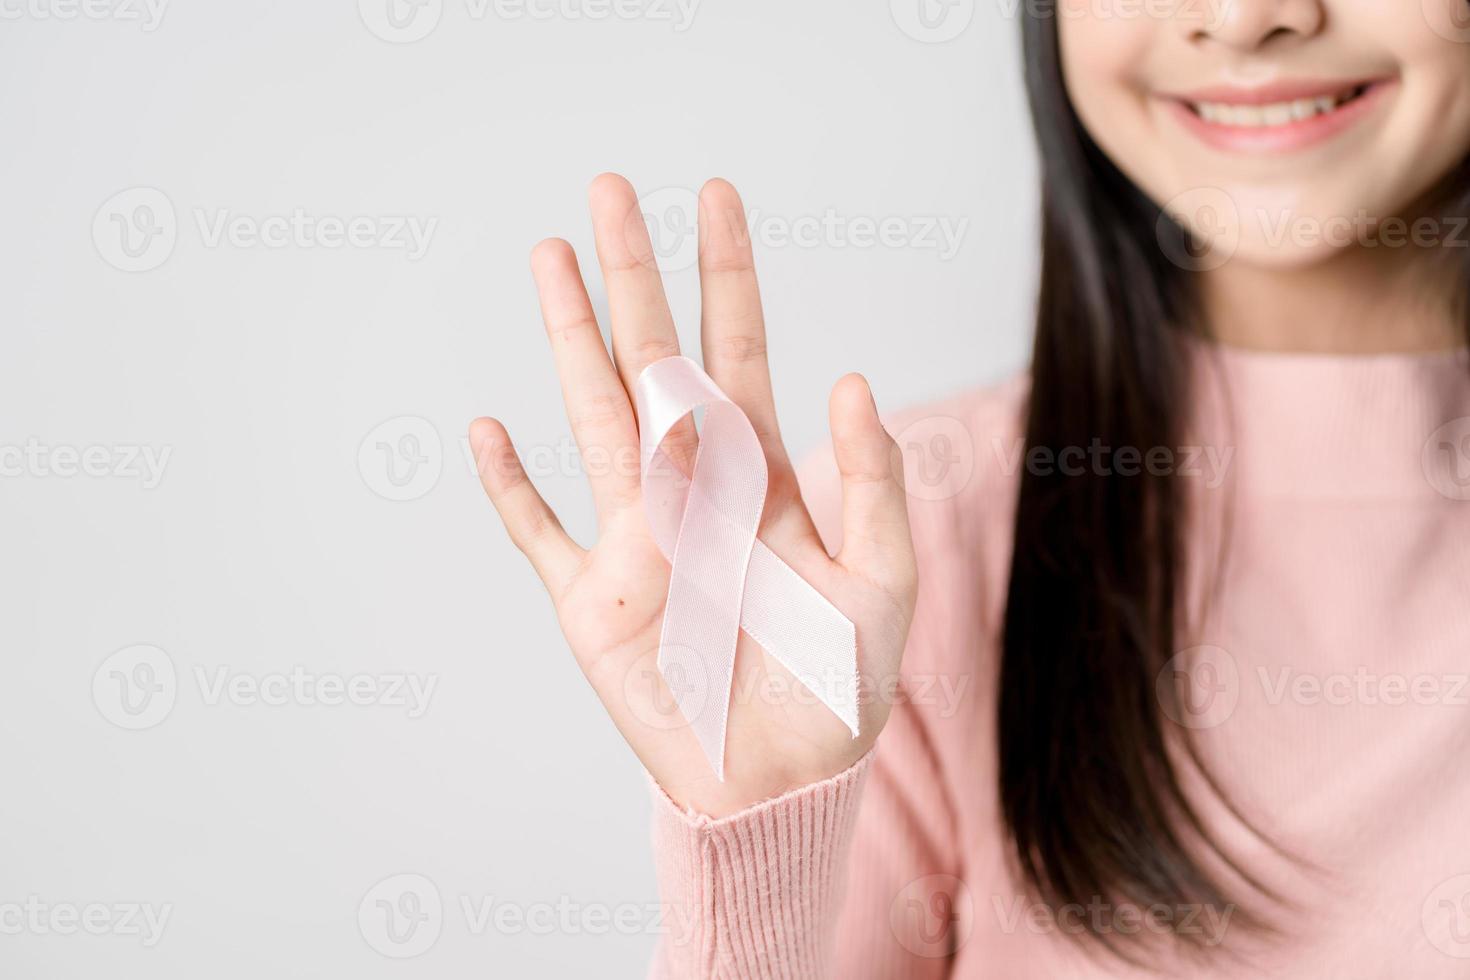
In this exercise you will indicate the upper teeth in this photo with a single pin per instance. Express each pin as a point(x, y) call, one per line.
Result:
point(1275, 114)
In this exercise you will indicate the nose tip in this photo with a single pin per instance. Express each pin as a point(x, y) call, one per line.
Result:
point(1249, 25)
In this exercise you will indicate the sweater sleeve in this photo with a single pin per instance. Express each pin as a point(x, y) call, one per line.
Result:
point(755, 895)
point(853, 877)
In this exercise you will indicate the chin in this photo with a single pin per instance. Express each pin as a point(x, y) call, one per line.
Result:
point(1275, 257)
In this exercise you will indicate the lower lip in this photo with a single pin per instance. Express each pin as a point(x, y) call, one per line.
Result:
point(1287, 138)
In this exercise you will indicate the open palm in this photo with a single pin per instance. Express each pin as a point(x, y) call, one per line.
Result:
point(610, 599)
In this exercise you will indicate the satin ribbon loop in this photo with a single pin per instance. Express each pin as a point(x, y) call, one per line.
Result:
point(723, 579)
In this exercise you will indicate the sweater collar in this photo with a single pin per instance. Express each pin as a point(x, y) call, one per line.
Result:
point(1337, 427)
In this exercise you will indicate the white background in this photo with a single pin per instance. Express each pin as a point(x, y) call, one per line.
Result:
point(267, 543)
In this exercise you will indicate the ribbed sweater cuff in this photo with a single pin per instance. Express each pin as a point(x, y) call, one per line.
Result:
point(755, 895)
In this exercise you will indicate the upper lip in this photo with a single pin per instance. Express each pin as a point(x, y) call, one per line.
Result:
point(1284, 91)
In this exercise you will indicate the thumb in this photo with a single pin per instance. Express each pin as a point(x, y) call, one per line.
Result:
point(875, 517)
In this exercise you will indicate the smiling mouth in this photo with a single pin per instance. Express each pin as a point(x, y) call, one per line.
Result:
point(1282, 118)
point(1275, 114)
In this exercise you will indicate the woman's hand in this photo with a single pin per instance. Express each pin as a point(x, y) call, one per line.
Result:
point(610, 599)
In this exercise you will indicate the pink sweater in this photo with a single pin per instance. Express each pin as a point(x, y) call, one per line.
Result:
point(1327, 684)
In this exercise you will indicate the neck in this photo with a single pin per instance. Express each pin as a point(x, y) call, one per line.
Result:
point(1359, 301)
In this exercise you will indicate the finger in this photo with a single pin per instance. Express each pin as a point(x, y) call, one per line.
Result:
point(597, 406)
point(875, 519)
point(732, 328)
point(642, 326)
point(531, 524)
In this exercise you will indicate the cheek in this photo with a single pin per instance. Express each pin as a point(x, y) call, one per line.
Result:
point(1429, 41)
point(1101, 53)
point(1104, 62)
point(1430, 132)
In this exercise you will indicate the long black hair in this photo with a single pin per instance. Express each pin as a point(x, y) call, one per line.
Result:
point(1090, 782)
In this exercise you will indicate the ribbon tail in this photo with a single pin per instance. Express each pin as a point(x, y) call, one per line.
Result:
point(796, 624)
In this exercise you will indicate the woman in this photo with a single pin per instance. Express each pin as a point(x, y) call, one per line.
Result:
point(1181, 640)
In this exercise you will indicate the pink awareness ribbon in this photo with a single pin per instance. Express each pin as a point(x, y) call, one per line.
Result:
point(723, 578)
